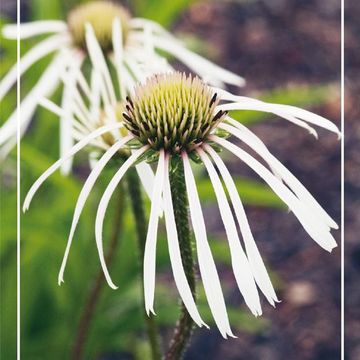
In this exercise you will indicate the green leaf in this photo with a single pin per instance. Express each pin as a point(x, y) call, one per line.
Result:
point(162, 11)
point(42, 10)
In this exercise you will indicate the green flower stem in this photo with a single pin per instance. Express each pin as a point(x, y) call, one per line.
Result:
point(185, 324)
point(141, 229)
point(95, 291)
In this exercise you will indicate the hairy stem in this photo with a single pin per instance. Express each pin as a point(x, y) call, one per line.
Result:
point(95, 291)
point(185, 324)
point(141, 230)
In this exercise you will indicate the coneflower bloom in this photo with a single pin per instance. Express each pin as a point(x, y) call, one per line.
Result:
point(174, 117)
point(132, 43)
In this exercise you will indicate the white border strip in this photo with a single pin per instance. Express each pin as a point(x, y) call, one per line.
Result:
point(342, 184)
point(18, 209)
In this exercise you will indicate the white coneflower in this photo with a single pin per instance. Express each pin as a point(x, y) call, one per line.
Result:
point(173, 119)
point(132, 43)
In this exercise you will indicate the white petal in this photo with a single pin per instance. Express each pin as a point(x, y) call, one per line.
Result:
point(66, 137)
point(257, 265)
point(286, 111)
point(150, 244)
point(98, 60)
point(7, 147)
point(85, 191)
point(51, 106)
point(146, 176)
point(140, 23)
point(27, 30)
point(207, 266)
point(295, 185)
point(117, 40)
point(318, 231)
point(81, 113)
point(174, 252)
point(40, 50)
point(197, 63)
point(44, 87)
point(104, 202)
point(81, 144)
point(95, 95)
point(83, 84)
point(134, 67)
point(240, 264)
point(225, 95)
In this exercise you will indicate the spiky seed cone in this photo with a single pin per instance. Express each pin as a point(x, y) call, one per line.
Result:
point(173, 112)
point(100, 14)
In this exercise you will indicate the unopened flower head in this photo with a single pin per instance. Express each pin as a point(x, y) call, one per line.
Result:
point(173, 112)
point(100, 15)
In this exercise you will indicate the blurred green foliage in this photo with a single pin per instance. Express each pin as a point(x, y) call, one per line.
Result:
point(50, 313)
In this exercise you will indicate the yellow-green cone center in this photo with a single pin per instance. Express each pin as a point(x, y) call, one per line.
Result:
point(172, 112)
point(100, 14)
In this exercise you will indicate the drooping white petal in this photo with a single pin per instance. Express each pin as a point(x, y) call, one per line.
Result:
point(95, 95)
point(108, 108)
point(80, 104)
point(78, 131)
point(126, 80)
point(27, 30)
point(117, 40)
point(141, 23)
point(44, 87)
point(83, 118)
point(153, 63)
point(175, 254)
point(77, 147)
point(257, 265)
point(67, 102)
point(198, 64)
point(85, 191)
point(104, 202)
point(241, 267)
point(136, 71)
point(39, 51)
point(207, 266)
point(51, 106)
point(148, 40)
point(245, 135)
point(98, 60)
point(151, 237)
point(7, 147)
point(320, 232)
point(146, 176)
point(83, 84)
point(286, 111)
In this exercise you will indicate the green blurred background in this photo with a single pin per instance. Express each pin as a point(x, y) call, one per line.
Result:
point(260, 42)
